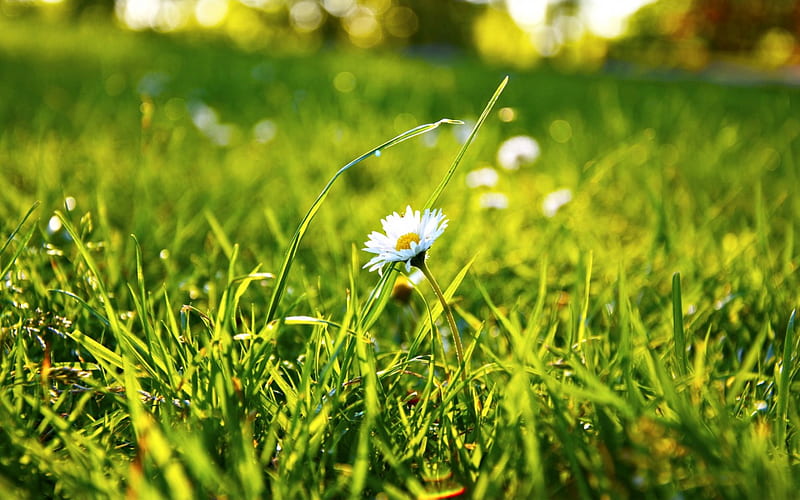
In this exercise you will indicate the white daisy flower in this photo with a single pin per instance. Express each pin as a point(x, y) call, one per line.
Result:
point(555, 200)
point(517, 151)
point(480, 177)
point(408, 237)
point(498, 201)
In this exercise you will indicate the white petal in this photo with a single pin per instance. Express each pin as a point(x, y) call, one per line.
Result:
point(427, 225)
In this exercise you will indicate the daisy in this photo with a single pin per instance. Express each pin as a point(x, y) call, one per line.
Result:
point(517, 151)
point(486, 176)
point(408, 237)
point(555, 200)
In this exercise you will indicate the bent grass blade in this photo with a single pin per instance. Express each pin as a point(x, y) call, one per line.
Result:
point(291, 251)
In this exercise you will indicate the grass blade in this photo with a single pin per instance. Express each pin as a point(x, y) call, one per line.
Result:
point(379, 294)
point(677, 326)
point(23, 243)
point(280, 283)
point(488, 109)
point(784, 393)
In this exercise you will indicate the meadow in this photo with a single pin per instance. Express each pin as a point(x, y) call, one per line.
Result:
point(635, 341)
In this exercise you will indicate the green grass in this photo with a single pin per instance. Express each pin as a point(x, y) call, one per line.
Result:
point(138, 359)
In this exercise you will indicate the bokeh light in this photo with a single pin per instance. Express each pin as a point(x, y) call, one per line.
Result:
point(306, 16)
point(574, 34)
point(363, 28)
point(339, 8)
point(607, 19)
point(210, 13)
point(344, 81)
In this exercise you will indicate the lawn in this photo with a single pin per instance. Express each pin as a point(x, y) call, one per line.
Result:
point(637, 341)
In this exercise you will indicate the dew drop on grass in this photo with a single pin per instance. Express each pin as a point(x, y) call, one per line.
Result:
point(378, 152)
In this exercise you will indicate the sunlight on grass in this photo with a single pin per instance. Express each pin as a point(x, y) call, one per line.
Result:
point(623, 279)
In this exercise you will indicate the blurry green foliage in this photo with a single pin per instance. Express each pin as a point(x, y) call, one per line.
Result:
point(686, 33)
point(675, 33)
point(193, 146)
point(364, 23)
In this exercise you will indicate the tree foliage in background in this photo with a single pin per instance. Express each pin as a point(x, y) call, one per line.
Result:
point(673, 33)
point(365, 23)
point(687, 33)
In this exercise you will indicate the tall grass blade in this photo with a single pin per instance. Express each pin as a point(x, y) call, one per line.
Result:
point(488, 109)
point(749, 361)
point(23, 244)
point(437, 309)
point(19, 226)
point(784, 393)
point(677, 326)
point(372, 408)
point(379, 295)
point(291, 251)
point(219, 232)
point(129, 342)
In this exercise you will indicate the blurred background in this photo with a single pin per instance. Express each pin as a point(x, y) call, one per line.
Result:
point(738, 38)
point(652, 136)
point(197, 123)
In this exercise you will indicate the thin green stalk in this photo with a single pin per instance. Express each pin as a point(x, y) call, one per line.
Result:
point(448, 313)
point(379, 295)
point(280, 282)
point(449, 175)
point(784, 390)
point(677, 326)
point(23, 243)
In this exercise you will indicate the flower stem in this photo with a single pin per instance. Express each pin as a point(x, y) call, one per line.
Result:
point(420, 263)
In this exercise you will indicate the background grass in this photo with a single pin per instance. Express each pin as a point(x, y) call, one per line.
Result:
point(144, 365)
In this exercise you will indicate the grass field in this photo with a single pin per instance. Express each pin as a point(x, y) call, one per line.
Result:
point(637, 343)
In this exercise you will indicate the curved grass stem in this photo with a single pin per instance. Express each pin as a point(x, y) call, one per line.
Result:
point(448, 313)
point(291, 251)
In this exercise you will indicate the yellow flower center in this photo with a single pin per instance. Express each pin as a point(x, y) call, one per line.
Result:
point(404, 242)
